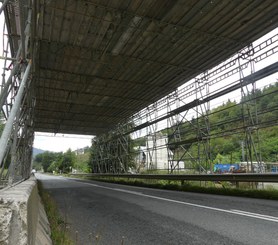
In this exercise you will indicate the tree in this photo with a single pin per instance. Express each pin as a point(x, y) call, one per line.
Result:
point(82, 162)
point(37, 166)
point(269, 144)
point(67, 161)
point(46, 158)
point(220, 159)
point(54, 166)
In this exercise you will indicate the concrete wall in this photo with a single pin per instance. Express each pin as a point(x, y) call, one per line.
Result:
point(22, 217)
point(158, 152)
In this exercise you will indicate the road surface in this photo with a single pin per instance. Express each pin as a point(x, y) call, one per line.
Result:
point(104, 213)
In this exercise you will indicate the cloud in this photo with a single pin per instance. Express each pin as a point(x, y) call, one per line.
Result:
point(60, 143)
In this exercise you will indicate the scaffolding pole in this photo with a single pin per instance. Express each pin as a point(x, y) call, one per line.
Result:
point(183, 117)
point(17, 99)
point(15, 110)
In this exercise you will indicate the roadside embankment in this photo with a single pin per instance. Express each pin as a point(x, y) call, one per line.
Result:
point(22, 217)
point(219, 188)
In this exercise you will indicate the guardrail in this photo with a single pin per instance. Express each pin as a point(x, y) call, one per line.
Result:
point(269, 177)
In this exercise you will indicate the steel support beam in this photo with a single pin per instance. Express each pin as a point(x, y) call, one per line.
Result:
point(16, 106)
point(4, 93)
point(269, 70)
point(4, 4)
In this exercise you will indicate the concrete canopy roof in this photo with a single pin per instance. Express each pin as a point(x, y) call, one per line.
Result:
point(97, 62)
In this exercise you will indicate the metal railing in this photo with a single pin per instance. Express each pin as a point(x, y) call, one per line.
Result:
point(268, 177)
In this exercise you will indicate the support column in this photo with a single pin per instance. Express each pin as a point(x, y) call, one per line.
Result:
point(16, 106)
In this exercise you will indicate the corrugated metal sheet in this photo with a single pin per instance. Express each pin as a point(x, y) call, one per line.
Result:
point(99, 62)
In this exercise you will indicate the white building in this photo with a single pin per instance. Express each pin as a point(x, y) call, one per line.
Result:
point(157, 157)
point(155, 154)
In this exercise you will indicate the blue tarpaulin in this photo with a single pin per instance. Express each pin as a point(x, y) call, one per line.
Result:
point(223, 168)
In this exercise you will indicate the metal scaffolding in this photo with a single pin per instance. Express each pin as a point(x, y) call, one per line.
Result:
point(112, 154)
point(17, 98)
point(121, 61)
point(182, 119)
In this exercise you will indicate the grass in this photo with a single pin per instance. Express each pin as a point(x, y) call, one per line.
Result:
point(59, 233)
point(223, 188)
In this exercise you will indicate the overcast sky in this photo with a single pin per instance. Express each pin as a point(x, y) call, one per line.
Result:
point(61, 142)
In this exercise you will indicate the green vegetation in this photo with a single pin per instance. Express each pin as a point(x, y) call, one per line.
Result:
point(226, 126)
point(223, 188)
point(81, 163)
point(230, 127)
point(110, 147)
point(62, 162)
point(59, 228)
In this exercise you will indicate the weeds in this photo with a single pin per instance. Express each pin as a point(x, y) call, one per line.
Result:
point(223, 188)
point(59, 233)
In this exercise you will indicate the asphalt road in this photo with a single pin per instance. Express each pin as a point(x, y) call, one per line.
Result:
point(103, 213)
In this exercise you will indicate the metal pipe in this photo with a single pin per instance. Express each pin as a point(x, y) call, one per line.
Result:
point(9, 125)
point(22, 28)
point(4, 93)
point(7, 58)
point(3, 5)
point(27, 32)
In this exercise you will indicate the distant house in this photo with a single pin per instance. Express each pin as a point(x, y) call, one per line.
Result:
point(81, 151)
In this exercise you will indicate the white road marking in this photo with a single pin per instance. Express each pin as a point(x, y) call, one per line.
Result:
point(256, 215)
point(231, 211)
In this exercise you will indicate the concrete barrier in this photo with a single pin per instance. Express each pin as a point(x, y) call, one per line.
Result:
point(22, 217)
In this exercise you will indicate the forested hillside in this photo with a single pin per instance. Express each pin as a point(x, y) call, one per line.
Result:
point(227, 131)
